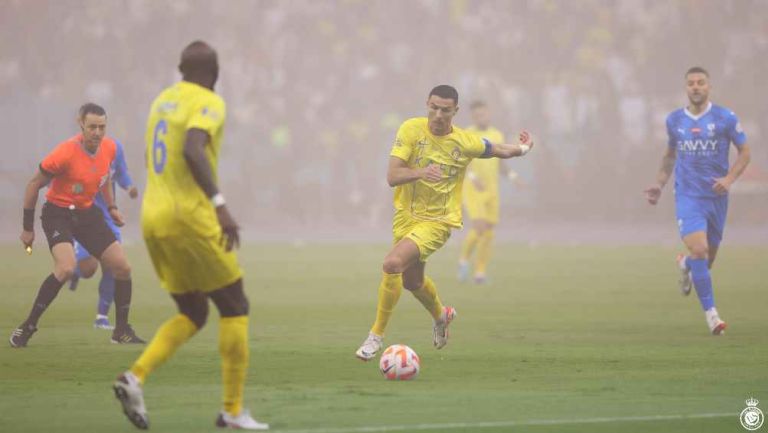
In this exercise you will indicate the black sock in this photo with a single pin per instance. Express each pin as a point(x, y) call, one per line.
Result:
point(122, 303)
point(47, 293)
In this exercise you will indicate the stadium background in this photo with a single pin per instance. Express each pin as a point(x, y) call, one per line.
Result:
point(566, 337)
point(316, 90)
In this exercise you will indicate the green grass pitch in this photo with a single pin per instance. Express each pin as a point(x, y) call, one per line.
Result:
point(562, 339)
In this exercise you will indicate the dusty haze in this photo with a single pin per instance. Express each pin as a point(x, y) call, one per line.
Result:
point(316, 89)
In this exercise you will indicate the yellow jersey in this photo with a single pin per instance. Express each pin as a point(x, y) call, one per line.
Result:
point(439, 201)
point(173, 202)
point(487, 170)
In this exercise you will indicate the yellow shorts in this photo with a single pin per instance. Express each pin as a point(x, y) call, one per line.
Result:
point(481, 206)
point(192, 263)
point(429, 236)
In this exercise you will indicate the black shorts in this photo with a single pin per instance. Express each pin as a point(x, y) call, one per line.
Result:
point(87, 226)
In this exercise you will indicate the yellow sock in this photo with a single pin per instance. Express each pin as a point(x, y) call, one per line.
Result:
point(389, 293)
point(427, 295)
point(233, 347)
point(484, 249)
point(170, 336)
point(469, 245)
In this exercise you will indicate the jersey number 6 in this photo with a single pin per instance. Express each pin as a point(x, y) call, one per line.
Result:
point(159, 151)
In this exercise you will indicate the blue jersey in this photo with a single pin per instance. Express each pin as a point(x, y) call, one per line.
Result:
point(702, 143)
point(119, 173)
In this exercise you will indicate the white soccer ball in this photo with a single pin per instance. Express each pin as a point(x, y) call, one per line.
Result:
point(399, 362)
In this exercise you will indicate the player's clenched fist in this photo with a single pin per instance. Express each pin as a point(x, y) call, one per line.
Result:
point(432, 173)
point(27, 237)
point(653, 194)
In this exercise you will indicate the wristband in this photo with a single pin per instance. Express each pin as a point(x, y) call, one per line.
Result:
point(29, 220)
point(218, 200)
point(524, 148)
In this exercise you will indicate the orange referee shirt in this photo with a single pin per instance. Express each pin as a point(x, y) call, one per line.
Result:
point(77, 175)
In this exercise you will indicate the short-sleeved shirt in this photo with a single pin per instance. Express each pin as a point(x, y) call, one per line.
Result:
point(439, 201)
point(702, 143)
point(77, 175)
point(487, 169)
point(173, 201)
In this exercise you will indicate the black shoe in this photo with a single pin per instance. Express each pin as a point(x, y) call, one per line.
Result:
point(21, 335)
point(126, 336)
point(73, 282)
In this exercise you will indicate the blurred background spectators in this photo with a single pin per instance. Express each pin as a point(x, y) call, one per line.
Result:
point(316, 90)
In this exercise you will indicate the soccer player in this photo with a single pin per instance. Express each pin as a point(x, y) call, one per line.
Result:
point(426, 166)
point(86, 263)
point(700, 136)
point(481, 197)
point(77, 169)
point(190, 236)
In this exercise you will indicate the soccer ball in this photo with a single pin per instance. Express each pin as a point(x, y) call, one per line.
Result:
point(399, 362)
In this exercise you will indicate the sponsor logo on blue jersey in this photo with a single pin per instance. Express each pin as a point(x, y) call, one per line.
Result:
point(702, 143)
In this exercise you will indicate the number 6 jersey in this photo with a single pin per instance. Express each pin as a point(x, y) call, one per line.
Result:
point(173, 202)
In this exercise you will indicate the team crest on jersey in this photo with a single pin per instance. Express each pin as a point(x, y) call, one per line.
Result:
point(210, 113)
point(77, 188)
point(711, 129)
point(456, 153)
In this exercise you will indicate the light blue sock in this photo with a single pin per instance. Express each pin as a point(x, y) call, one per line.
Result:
point(702, 281)
point(106, 292)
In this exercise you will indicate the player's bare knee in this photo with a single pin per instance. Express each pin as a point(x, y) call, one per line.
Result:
point(87, 272)
point(194, 306)
point(699, 251)
point(88, 268)
point(64, 272)
point(393, 265)
point(198, 316)
point(414, 284)
point(121, 271)
point(231, 300)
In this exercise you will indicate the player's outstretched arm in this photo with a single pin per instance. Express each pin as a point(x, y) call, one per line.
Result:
point(38, 181)
point(194, 154)
point(653, 192)
point(399, 173)
point(505, 151)
point(723, 184)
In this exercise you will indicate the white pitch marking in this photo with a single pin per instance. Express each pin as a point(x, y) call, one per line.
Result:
point(491, 424)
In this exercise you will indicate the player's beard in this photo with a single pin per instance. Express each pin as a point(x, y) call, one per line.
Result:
point(92, 144)
point(698, 99)
point(440, 127)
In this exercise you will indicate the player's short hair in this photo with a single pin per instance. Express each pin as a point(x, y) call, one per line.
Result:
point(91, 108)
point(477, 103)
point(445, 91)
point(697, 70)
point(198, 57)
